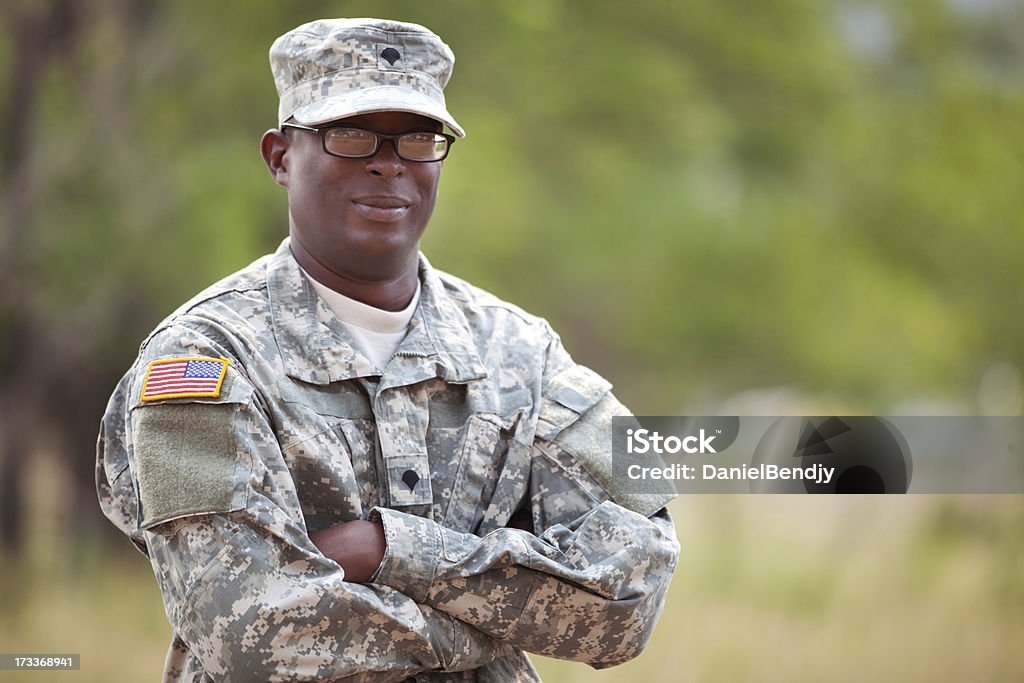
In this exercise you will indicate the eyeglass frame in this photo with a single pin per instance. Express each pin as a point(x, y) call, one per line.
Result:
point(379, 137)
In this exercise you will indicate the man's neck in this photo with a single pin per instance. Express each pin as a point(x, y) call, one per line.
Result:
point(389, 294)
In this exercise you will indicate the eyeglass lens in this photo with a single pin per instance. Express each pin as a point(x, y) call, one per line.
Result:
point(352, 142)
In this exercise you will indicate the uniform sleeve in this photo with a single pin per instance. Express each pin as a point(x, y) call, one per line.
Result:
point(241, 581)
point(592, 584)
point(591, 591)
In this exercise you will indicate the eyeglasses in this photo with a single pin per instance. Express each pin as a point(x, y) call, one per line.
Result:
point(356, 143)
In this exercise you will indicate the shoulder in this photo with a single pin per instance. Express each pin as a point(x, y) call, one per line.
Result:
point(232, 307)
point(240, 286)
point(490, 317)
point(224, 322)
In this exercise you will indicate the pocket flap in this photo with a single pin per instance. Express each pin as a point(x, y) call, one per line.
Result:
point(568, 395)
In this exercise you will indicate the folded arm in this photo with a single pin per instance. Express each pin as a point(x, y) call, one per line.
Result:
point(591, 591)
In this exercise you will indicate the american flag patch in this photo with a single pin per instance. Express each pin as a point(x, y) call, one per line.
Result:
point(184, 378)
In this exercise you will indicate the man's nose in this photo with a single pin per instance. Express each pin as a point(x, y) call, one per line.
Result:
point(385, 163)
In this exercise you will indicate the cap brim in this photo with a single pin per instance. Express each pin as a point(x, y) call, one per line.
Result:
point(369, 100)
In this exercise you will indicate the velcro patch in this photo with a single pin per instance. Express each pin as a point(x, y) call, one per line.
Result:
point(188, 377)
point(186, 461)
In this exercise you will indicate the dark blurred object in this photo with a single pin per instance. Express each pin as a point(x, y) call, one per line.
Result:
point(33, 365)
point(867, 453)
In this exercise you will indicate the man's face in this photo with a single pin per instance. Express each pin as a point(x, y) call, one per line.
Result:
point(361, 219)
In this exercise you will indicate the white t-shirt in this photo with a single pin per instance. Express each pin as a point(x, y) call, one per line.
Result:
point(376, 332)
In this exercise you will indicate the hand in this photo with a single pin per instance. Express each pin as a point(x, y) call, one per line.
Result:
point(358, 546)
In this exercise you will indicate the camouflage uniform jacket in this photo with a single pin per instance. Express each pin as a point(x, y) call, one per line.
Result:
point(480, 413)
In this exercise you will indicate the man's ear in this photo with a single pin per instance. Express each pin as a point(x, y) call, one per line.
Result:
point(274, 147)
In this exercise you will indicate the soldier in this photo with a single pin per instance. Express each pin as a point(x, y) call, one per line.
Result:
point(344, 463)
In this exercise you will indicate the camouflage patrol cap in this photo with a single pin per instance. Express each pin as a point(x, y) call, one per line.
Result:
point(332, 68)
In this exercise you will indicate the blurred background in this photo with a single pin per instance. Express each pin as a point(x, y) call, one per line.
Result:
point(725, 207)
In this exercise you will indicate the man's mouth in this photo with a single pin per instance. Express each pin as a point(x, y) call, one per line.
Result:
point(384, 209)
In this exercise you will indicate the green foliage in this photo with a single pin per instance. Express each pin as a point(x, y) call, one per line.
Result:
point(719, 194)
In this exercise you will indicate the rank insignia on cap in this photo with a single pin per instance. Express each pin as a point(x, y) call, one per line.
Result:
point(192, 377)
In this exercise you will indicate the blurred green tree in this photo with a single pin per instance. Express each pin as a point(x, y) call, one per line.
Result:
point(702, 197)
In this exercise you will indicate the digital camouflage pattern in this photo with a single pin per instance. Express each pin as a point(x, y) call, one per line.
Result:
point(480, 414)
point(332, 68)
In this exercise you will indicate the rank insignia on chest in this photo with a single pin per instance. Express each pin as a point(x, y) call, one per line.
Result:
point(191, 377)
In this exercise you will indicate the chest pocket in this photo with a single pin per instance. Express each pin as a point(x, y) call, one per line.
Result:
point(327, 439)
point(473, 474)
point(323, 467)
point(352, 461)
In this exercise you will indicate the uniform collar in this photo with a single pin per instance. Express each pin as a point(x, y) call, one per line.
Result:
point(316, 349)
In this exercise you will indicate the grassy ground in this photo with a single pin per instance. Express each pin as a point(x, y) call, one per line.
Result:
point(773, 588)
point(770, 588)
